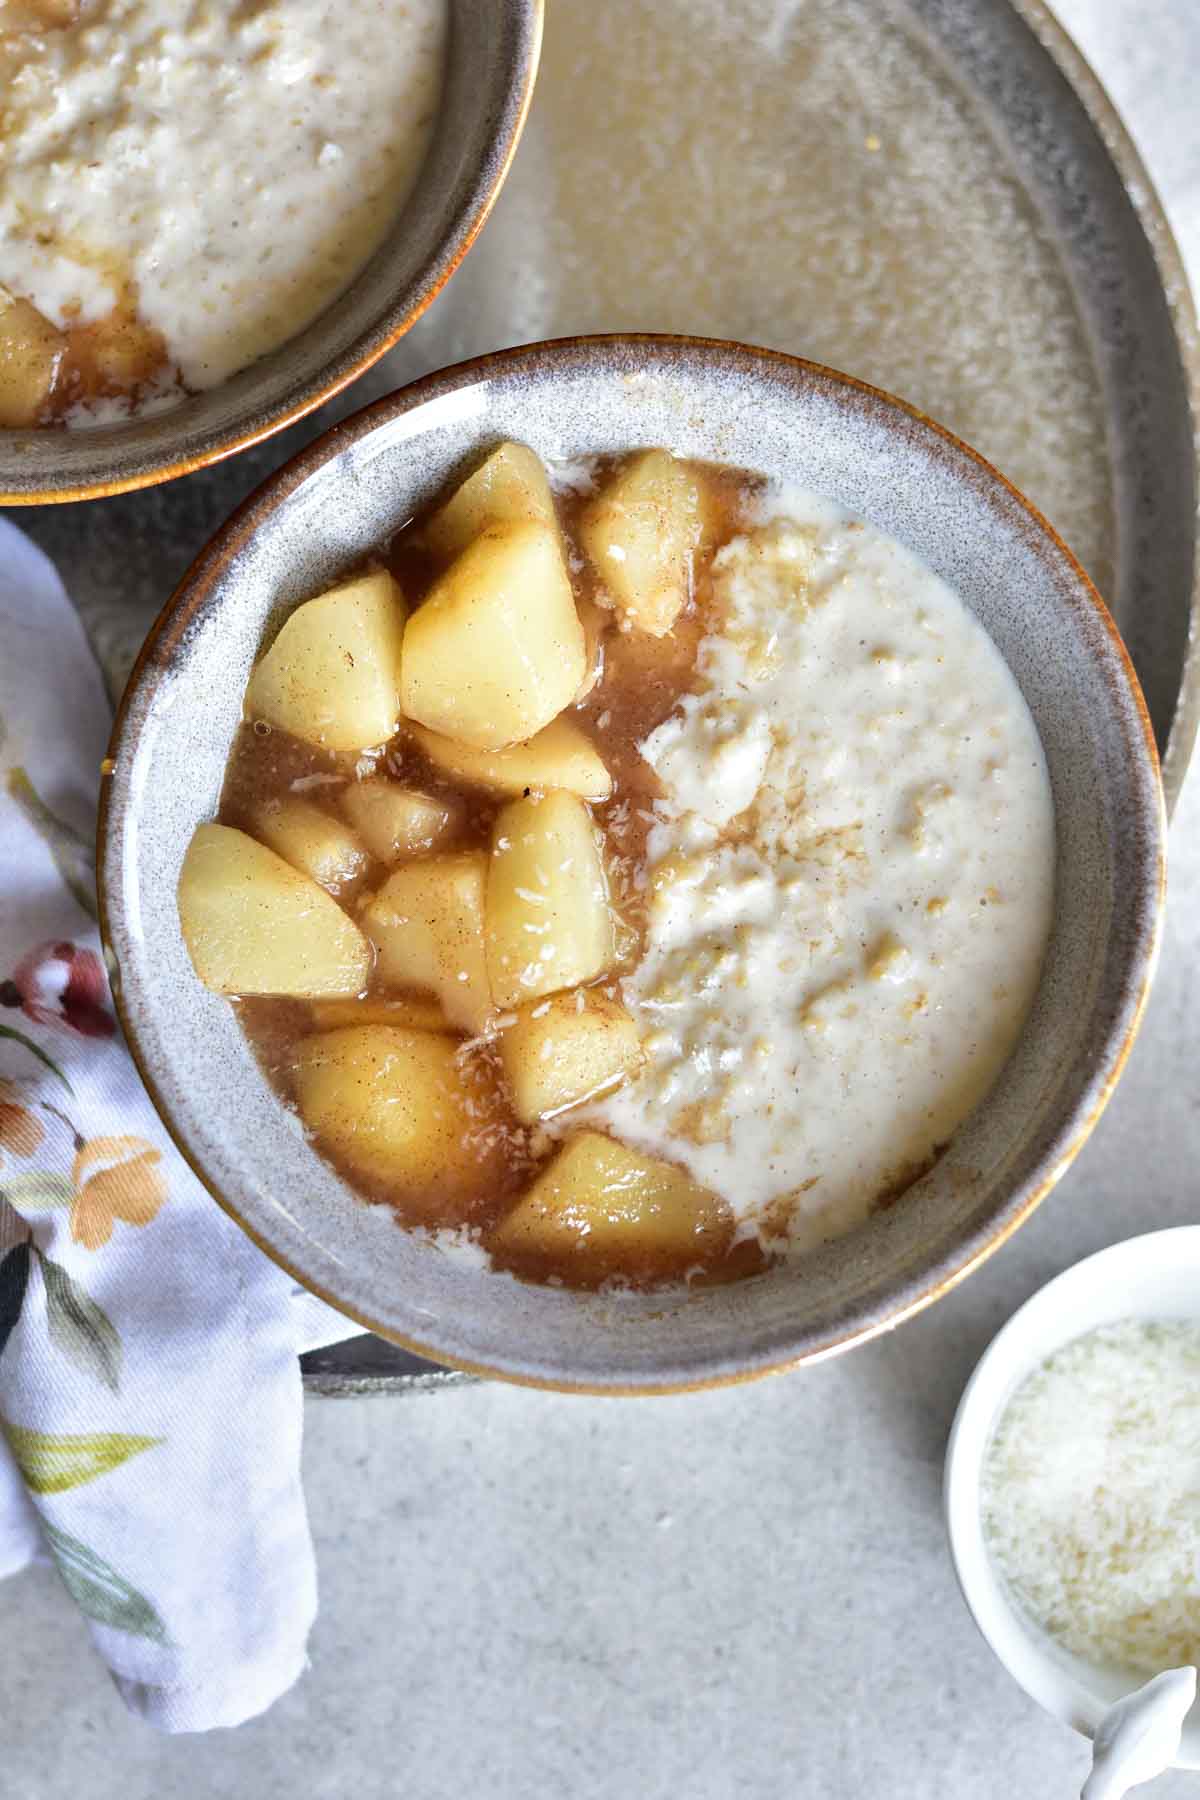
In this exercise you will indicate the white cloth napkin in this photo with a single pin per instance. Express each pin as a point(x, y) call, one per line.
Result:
point(150, 1400)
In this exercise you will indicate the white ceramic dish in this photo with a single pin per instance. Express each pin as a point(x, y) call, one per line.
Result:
point(1152, 1277)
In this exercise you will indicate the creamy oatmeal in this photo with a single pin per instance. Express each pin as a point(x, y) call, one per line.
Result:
point(852, 872)
point(642, 875)
point(216, 172)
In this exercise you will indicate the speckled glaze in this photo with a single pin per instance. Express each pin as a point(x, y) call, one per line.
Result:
point(491, 63)
point(728, 404)
point(1068, 141)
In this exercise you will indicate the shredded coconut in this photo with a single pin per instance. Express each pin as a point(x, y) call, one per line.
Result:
point(1091, 1502)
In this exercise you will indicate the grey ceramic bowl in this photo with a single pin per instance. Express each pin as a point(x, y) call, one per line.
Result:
point(728, 404)
point(491, 63)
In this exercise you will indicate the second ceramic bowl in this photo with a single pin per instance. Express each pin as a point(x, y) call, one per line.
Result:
point(724, 403)
point(492, 54)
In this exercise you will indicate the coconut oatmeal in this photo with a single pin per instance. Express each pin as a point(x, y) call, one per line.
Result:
point(852, 876)
point(183, 188)
point(641, 872)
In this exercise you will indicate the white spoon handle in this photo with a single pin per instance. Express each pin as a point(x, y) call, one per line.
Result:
point(1138, 1738)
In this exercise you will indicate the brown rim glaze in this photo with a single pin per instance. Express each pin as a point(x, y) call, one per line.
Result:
point(395, 322)
point(972, 1245)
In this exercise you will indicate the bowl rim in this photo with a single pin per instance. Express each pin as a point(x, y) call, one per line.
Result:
point(527, 18)
point(187, 601)
point(1151, 214)
point(1011, 1356)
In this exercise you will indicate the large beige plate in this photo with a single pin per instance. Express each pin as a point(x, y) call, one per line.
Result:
point(935, 195)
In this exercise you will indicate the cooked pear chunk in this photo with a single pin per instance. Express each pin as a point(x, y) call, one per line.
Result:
point(427, 925)
point(602, 1209)
point(398, 1108)
point(549, 922)
point(312, 840)
point(496, 651)
point(560, 756)
point(507, 488)
point(332, 676)
point(254, 925)
point(31, 350)
point(640, 533)
point(597, 622)
point(409, 1011)
point(119, 352)
point(566, 1049)
point(395, 821)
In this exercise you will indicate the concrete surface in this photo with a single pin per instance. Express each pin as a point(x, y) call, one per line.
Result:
point(744, 1593)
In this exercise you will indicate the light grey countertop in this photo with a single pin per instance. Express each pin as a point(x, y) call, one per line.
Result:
point(741, 1593)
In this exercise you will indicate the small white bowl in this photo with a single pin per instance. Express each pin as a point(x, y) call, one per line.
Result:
point(1151, 1277)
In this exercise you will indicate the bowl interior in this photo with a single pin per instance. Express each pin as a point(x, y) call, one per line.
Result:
point(491, 61)
point(726, 404)
point(1152, 1277)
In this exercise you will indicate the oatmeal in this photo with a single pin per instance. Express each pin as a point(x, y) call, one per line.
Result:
point(852, 875)
point(641, 873)
point(215, 173)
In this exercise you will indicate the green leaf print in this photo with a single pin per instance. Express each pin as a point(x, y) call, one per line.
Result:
point(14, 1279)
point(73, 855)
point(6, 1031)
point(13, 1228)
point(79, 1329)
point(38, 1190)
point(99, 1592)
point(52, 1464)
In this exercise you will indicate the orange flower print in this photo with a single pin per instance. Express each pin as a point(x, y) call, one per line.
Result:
point(114, 1178)
point(21, 1132)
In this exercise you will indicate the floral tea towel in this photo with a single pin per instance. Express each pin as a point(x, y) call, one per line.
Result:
point(150, 1401)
